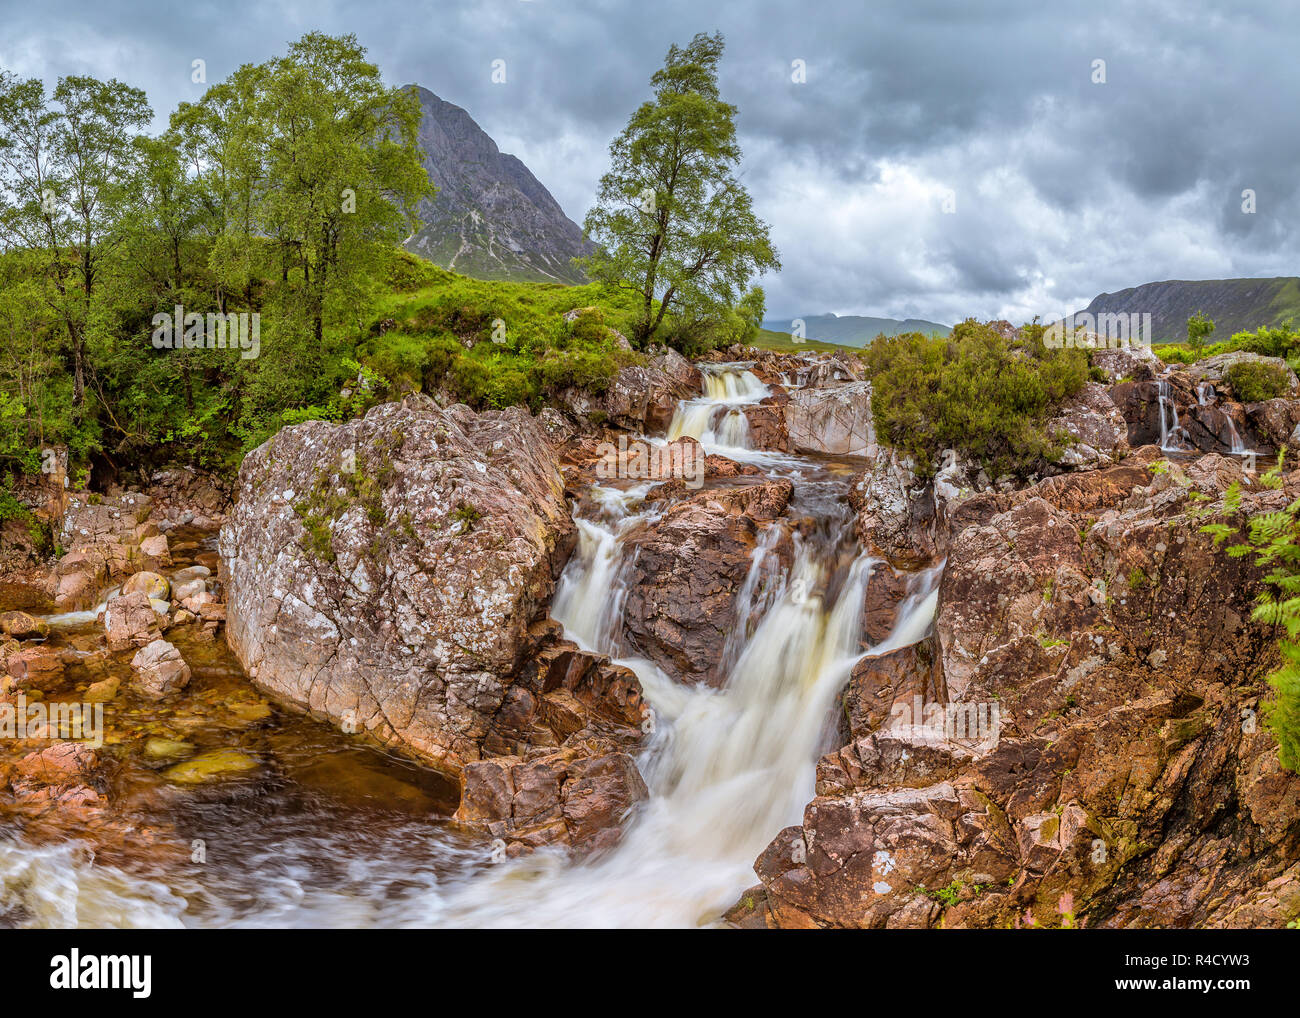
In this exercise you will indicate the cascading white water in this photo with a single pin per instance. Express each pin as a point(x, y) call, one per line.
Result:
point(726, 768)
point(1172, 436)
point(1238, 447)
point(715, 419)
point(1207, 396)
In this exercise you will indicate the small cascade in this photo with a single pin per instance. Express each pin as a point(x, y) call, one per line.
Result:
point(1172, 436)
point(589, 597)
point(716, 419)
point(1206, 395)
point(732, 431)
point(726, 768)
point(1238, 447)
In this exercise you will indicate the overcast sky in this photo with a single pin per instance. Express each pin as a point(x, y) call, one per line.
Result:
point(1062, 187)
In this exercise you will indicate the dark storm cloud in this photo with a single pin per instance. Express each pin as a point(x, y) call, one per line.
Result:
point(1062, 188)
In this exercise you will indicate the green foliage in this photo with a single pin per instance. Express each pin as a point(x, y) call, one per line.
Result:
point(973, 391)
point(282, 192)
point(1198, 328)
point(1253, 381)
point(494, 344)
point(1273, 537)
point(1282, 340)
point(675, 226)
point(466, 515)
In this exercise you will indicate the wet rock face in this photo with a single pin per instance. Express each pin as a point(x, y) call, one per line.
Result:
point(1128, 782)
point(577, 796)
point(396, 596)
point(561, 773)
point(1277, 421)
point(687, 568)
point(1207, 422)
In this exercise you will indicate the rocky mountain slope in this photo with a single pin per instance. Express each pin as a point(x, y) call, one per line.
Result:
point(1236, 305)
point(491, 219)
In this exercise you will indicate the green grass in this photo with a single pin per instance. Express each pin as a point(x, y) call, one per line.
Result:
point(781, 342)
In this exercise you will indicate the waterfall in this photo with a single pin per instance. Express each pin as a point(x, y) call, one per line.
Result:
point(1238, 447)
point(716, 419)
point(1207, 396)
point(726, 768)
point(1172, 436)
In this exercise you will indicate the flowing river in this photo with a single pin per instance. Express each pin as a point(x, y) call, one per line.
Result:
point(343, 836)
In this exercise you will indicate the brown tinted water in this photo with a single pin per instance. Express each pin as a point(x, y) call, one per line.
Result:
point(320, 813)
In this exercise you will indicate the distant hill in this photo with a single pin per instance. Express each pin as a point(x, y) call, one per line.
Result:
point(492, 219)
point(854, 330)
point(1236, 305)
point(770, 339)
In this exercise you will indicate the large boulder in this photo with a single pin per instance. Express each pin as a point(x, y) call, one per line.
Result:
point(687, 569)
point(160, 669)
point(130, 621)
point(577, 796)
point(383, 573)
point(835, 420)
point(1096, 429)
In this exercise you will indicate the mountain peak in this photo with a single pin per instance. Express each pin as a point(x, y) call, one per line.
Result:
point(492, 218)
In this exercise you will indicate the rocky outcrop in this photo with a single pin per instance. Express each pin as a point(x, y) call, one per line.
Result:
point(1215, 369)
point(641, 397)
point(686, 569)
point(1206, 421)
point(188, 497)
point(395, 598)
point(103, 536)
point(1096, 429)
point(1127, 363)
point(1117, 774)
point(835, 420)
point(1277, 421)
point(577, 796)
point(895, 511)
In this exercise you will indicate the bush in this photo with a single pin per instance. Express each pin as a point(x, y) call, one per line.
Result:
point(1253, 382)
point(973, 391)
point(1282, 341)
